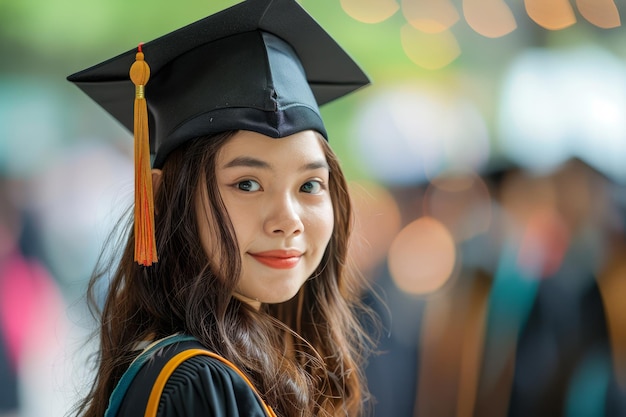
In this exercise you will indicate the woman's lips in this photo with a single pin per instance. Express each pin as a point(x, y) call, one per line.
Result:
point(279, 259)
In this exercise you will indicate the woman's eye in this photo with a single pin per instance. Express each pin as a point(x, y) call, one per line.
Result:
point(248, 185)
point(311, 187)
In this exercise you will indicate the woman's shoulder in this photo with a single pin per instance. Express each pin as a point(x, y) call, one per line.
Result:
point(202, 384)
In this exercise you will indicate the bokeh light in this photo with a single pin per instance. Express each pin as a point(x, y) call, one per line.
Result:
point(558, 104)
point(430, 16)
point(422, 257)
point(429, 50)
point(405, 135)
point(490, 18)
point(551, 14)
point(602, 13)
point(370, 11)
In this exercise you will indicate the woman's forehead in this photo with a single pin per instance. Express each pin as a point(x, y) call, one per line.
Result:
point(255, 150)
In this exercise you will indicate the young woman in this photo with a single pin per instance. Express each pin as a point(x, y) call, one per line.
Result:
point(249, 310)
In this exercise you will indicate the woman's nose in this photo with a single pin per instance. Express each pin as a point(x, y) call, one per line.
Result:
point(284, 217)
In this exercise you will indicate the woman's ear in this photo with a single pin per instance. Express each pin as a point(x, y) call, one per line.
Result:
point(157, 175)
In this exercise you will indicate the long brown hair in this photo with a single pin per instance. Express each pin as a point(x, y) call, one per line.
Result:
point(305, 356)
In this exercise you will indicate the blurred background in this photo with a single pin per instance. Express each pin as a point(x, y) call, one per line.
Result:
point(488, 170)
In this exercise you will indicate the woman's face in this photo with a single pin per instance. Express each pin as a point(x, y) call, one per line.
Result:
point(276, 194)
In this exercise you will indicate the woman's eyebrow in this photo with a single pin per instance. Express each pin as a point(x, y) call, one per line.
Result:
point(319, 164)
point(247, 161)
point(250, 162)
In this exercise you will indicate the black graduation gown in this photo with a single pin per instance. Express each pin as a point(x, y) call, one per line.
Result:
point(200, 386)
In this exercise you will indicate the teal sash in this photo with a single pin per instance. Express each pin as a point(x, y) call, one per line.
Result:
point(117, 396)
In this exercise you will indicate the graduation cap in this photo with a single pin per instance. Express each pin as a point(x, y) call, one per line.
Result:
point(260, 65)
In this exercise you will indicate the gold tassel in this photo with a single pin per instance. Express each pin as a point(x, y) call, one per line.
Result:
point(145, 242)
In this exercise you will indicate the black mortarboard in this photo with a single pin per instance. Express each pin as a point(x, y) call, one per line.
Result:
point(227, 72)
point(261, 65)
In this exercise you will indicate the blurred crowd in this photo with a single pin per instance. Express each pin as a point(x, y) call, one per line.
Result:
point(52, 225)
point(500, 295)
